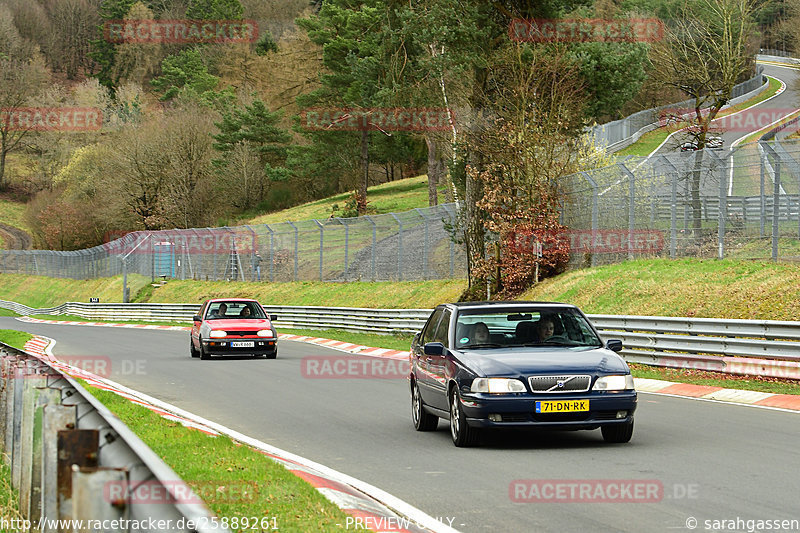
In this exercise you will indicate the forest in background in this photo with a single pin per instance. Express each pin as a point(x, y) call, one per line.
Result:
point(201, 134)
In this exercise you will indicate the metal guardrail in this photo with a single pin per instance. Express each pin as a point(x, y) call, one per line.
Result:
point(758, 347)
point(621, 133)
point(72, 459)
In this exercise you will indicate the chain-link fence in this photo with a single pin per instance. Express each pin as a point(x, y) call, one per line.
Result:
point(743, 203)
point(414, 245)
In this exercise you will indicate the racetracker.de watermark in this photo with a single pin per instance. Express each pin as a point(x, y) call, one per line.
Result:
point(353, 367)
point(745, 121)
point(586, 30)
point(377, 119)
point(598, 491)
point(177, 242)
point(180, 31)
point(171, 492)
point(601, 241)
point(51, 119)
point(88, 365)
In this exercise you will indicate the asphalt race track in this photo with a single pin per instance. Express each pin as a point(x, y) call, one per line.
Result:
point(715, 461)
point(780, 105)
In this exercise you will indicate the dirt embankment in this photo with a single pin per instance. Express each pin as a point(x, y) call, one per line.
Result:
point(14, 238)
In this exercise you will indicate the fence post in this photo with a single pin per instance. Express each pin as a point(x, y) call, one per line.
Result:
point(723, 212)
point(399, 247)
point(776, 192)
point(321, 243)
point(346, 242)
point(296, 238)
point(673, 224)
point(452, 216)
point(374, 244)
point(776, 209)
point(595, 209)
point(631, 207)
point(427, 243)
point(762, 193)
point(271, 252)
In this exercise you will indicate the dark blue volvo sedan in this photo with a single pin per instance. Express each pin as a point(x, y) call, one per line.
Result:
point(518, 364)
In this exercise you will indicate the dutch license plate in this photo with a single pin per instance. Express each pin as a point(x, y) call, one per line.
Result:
point(242, 344)
point(564, 406)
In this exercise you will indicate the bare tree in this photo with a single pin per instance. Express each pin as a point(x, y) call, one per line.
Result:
point(137, 62)
point(704, 54)
point(189, 180)
point(19, 82)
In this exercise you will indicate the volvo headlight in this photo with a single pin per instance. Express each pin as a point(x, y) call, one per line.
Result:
point(497, 385)
point(614, 383)
point(217, 334)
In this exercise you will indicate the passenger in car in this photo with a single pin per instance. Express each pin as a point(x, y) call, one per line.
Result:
point(480, 333)
point(223, 308)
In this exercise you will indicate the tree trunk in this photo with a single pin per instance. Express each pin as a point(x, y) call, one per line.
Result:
point(2, 169)
point(365, 166)
point(433, 171)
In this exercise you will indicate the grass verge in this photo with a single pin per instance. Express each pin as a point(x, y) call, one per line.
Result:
point(233, 480)
point(756, 290)
point(392, 197)
point(41, 291)
point(14, 338)
point(381, 295)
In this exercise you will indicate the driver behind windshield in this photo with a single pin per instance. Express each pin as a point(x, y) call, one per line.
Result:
point(545, 329)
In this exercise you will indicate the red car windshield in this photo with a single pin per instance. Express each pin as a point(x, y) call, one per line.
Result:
point(245, 310)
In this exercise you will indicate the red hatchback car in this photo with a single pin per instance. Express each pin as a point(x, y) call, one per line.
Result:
point(233, 326)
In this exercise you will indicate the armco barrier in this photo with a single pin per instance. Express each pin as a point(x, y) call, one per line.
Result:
point(64, 447)
point(757, 347)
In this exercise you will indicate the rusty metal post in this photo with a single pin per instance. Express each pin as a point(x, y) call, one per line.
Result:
point(75, 447)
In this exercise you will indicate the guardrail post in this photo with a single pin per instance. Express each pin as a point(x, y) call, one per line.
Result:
point(16, 452)
point(26, 436)
point(55, 418)
point(44, 398)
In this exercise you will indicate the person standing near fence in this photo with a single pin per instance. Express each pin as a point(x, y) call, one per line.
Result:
point(257, 266)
